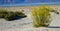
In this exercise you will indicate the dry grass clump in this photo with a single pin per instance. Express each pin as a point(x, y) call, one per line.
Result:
point(41, 16)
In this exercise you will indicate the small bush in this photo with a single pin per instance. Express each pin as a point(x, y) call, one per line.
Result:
point(9, 15)
point(41, 16)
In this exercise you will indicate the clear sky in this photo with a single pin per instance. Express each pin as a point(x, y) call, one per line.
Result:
point(11, 2)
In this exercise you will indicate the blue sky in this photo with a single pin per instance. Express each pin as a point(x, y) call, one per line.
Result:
point(19, 2)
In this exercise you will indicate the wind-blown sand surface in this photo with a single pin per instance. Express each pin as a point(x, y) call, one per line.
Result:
point(25, 24)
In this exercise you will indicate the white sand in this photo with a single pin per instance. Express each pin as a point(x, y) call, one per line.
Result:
point(25, 24)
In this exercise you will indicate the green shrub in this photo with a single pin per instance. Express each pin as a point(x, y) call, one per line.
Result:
point(9, 15)
point(3, 13)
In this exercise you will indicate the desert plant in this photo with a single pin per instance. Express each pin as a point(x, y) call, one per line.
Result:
point(10, 15)
point(19, 13)
point(41, 16)
point(14, 16)
point(3, 13)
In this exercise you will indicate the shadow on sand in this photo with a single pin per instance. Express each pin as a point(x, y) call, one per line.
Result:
point(53, 27)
